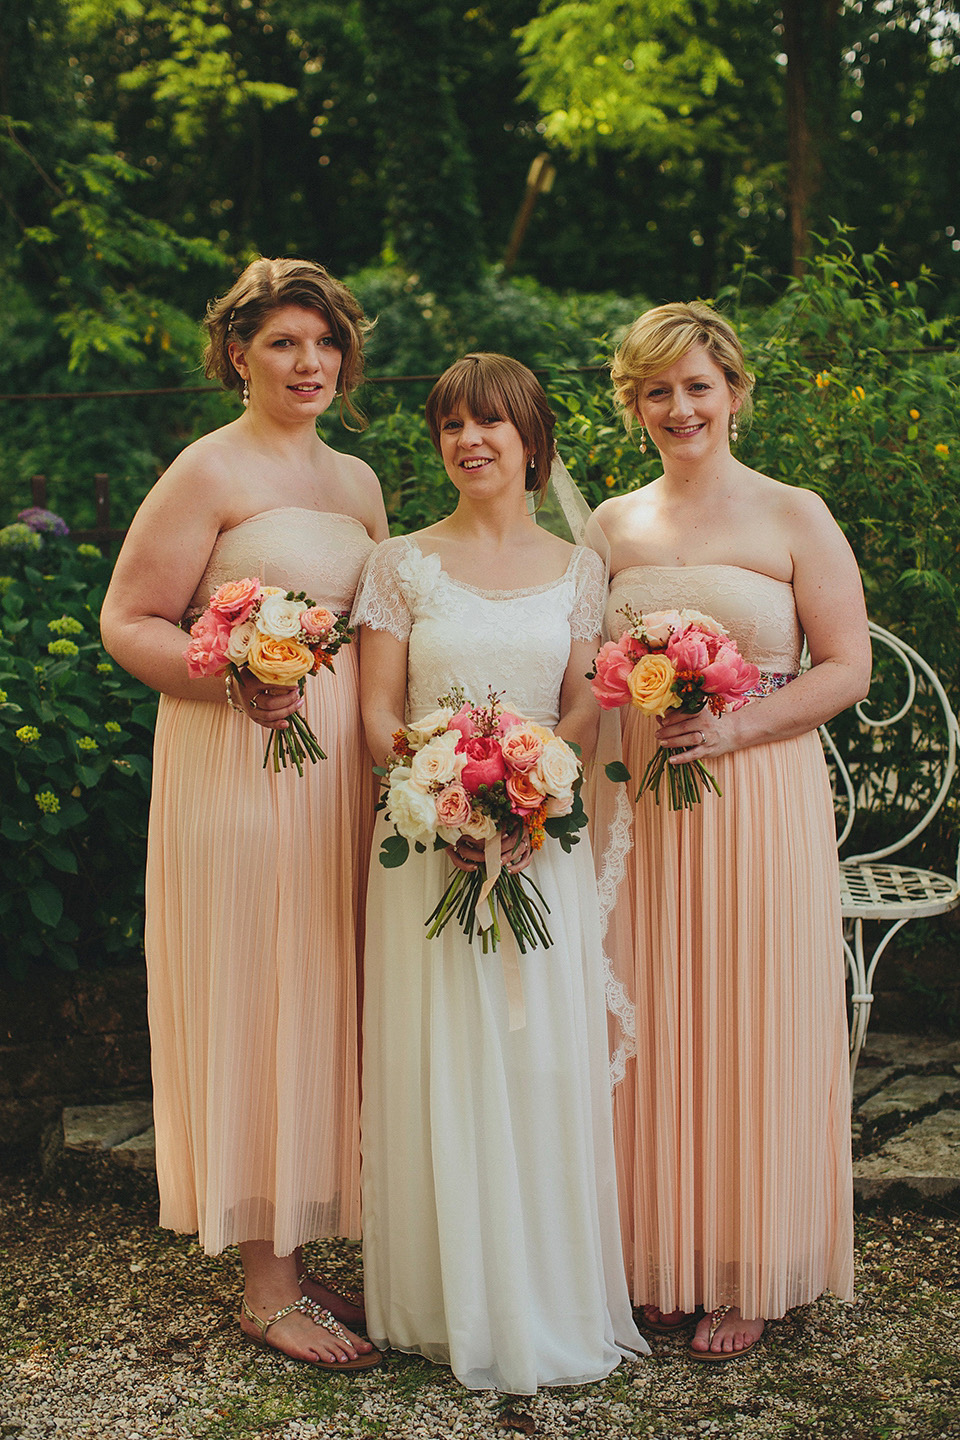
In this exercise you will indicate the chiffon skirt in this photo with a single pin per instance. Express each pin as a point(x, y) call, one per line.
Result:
point(733, 1122)
point(491, 1239)
point(254, 883)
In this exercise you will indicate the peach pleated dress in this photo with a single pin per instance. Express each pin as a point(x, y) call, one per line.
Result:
point(255, 888)
point(732, 1116)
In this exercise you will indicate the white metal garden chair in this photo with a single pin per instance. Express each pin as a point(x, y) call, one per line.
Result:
point(870, 786)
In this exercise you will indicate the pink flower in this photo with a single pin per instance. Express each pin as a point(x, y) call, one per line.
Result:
point(521, 747)
point(453, 806)
point(524, 792)
point(613, 667)
point(485, 763)
point(235, 600)
point(507, 721)
point(464, 722)
point(317, 622)
point(729, 676)
point(688, 650)
point(206, 653)
point(559, 804)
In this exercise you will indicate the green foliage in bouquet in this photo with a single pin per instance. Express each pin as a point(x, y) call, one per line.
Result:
point(75, 736)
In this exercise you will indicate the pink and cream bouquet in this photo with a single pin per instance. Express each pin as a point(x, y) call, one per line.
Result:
point(672, 660)
point(482, 772)
point(281, 638)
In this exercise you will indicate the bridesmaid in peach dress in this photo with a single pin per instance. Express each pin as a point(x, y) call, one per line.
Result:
point(255, 879)
point(732, 1113)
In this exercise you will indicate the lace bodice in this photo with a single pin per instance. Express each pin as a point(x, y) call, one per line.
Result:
point(318, 551)
point(759, 612)
point(517, 641)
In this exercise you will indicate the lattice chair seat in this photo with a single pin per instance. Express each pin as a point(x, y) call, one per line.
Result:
point(884, 776)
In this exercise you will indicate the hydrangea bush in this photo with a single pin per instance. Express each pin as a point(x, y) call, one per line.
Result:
point(75, 740)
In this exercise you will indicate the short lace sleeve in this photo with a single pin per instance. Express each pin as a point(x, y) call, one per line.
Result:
point(380, 602)
point(590, 580)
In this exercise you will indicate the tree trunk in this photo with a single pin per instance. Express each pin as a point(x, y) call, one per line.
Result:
point(813, 69)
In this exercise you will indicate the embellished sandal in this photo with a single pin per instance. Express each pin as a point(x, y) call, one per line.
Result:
point(716, 1357)
point(324, 1321)
point(351, 1297)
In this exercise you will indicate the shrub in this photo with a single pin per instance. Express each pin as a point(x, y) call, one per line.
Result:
point(75, 735)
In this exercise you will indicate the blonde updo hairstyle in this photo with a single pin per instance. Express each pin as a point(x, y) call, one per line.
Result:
point(661, 337)
point(266, 286)
point(495, 385)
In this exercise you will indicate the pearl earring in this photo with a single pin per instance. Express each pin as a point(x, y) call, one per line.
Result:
point(643, 439)
point(734, 432)
point(245, 397)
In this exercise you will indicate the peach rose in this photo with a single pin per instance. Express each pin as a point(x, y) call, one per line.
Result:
point(521, 747)
point(238, 646)
point(650, 685)
point(317, 622)
point(524, 792)
point(235, 599)
point(278, 662)
point(480, 826)
point(557, 805)
point(453, 806)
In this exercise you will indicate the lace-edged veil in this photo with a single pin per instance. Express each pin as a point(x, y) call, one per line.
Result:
point(565, 512)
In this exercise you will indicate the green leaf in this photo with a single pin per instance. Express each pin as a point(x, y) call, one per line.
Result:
point(45, 902)
point(617, 772)
point(394, 851)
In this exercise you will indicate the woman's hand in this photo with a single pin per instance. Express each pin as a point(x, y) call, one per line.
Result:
point(696, 736)
point(515, 851)
point(266, 705)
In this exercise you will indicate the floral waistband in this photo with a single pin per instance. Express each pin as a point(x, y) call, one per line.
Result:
point(769, 681)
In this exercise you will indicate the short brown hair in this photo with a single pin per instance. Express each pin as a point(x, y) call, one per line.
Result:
point(265, 286)
point(489, 384)
point(661, 337)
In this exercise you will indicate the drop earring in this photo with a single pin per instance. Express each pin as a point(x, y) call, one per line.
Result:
point(643, 439)
point(734, 432)
point(245, 397)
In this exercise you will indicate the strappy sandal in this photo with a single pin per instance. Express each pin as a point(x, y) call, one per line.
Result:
point(659, 1327)
point(716, 1357)
point(352, 1297)
point(324, 1321)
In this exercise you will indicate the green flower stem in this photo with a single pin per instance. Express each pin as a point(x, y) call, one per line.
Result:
point(684, 785)
point(516, 895)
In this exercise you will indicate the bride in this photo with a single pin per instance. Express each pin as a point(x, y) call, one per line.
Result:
point(491, 1238)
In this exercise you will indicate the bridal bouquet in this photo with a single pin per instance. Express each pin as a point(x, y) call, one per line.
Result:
point(482, 772)
point(672, 660)
point(281, 638)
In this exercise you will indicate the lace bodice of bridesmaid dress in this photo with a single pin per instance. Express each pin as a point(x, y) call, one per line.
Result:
point(517, 641)
point(758, 611)
point(318, 551)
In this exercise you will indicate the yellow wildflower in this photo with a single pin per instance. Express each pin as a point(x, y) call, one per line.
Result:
point(914, 414)
point(112, 726)
point(27, 734)
point(610, 482)
point(63, 647)
point(821, 380)
point(66, 625)
point(942, 449)
point(86, 742)
point(47, 802)
point(858, 393)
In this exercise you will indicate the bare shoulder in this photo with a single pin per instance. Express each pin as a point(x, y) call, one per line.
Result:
point(618, 514)
point(201, 478)
point(357, 492)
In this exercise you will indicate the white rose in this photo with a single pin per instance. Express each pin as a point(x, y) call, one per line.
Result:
point(558, 767)
point(422, 730)
point(238, 645)
point(705, 622)
point(479, 827)
point(438, 763)
point(279, 617)
point(556, 805)
point(659, 625)
point(411, 809)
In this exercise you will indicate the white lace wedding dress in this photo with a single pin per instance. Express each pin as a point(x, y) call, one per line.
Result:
point(491, 1238)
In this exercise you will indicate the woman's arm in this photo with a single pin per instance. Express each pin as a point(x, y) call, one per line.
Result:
point(157, 572)
point(832, 614)
point(383, 689)
point(579, 716)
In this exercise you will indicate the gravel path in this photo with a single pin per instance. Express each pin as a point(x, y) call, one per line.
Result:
point(110, 1328)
